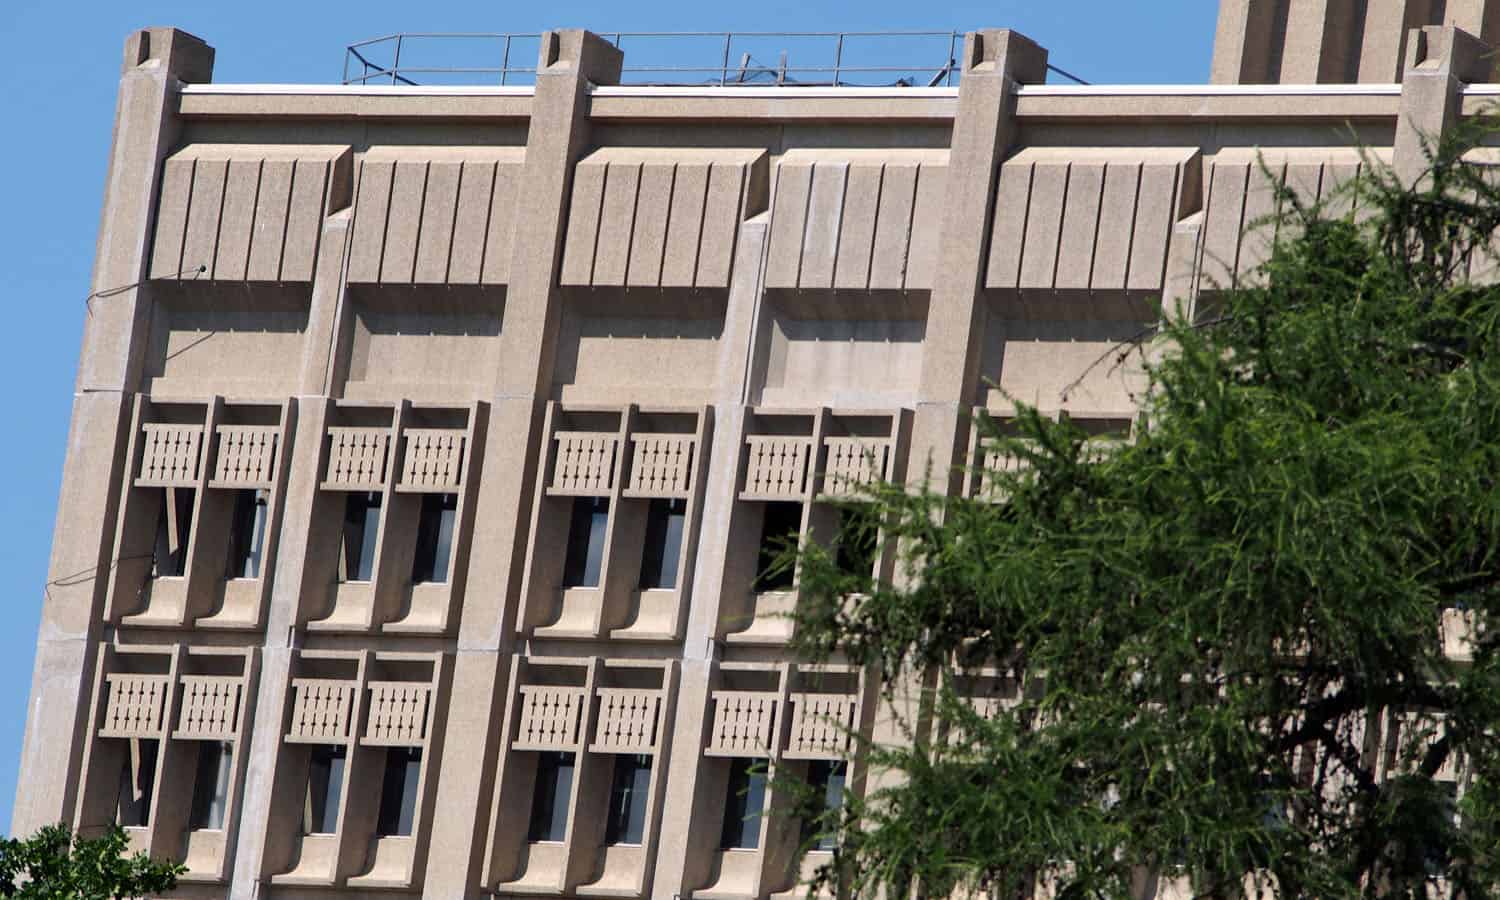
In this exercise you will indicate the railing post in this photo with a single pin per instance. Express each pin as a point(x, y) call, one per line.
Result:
point(505, 61)
point(724, 69)
point(396, 64)
point(838, 58)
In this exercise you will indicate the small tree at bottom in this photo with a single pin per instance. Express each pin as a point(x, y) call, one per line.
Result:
point(57, 865)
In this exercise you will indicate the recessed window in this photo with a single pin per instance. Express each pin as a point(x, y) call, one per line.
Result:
point(211, 785)
point(586, 542)
point(361, 534)
point(858, 540)
point(826, 779)
point(137, 781)
point(780, 526)
point(627, 800)
point(434, 539)
point(744, 800)
point(398, 791)
point(662, 556)
point(325, 787)
point(173, 530)
point(549, 802)
point(247, 534)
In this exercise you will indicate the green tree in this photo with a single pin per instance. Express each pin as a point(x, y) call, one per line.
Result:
point(1219, 627)
point(56, 865)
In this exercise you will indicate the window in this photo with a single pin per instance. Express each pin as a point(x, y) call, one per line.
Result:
point(586, 542)
point(781, 525)
point(211, 785)
point(247, 534)
point(173, 528)
point(826, 778)
point(627, 800)
point(549, 802)
point(361, 532)
point(663, 552)
point(398, 791)
point(325, 786)
point(858, 539)
point(137, 779)
point(743, 803)
point(434, 539)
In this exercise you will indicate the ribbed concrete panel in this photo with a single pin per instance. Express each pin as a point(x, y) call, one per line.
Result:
point(648, 217)
point(856, 219)
point(894, 210)
point(247, 212)
point(622, 184)
point(434, 215)
point(1089, 218)
point(1243, 183)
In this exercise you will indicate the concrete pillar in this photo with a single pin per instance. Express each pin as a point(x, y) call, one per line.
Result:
point(744, 320)
point(1383, 47)
point(1247, 42)
point(983, 132)
point(255, 825)
point(1319, 45)
point(157, 61)
point(570, 61)
point(1439, 61)
point(1480, 18)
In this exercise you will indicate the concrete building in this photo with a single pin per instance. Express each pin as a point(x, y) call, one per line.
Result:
point(426, 440)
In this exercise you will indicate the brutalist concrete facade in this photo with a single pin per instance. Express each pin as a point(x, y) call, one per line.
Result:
point(426, 440)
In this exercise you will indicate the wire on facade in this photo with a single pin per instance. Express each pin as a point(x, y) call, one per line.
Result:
point(88, 301)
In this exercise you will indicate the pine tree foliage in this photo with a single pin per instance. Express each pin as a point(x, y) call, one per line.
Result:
point(1226, 632)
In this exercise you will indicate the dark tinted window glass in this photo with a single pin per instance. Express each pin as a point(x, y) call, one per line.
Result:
point(398, 791)
point(173, 531)
point(586, 542)
point(361, 532)
point(325, 785)
point(781, 525)
point(826, 778)
point(211, 785)
point(627, 800)
point(743, 802)
point(434, 538)
point(247, 534)
point(662, 556)
point(857, 541)
point(549, 802)
point(137, 780)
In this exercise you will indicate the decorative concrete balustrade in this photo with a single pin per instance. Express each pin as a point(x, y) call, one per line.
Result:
point(246, 456)
point(164, 718)
point(171, 455)
point(619, 466)
point(586, 465)
point(358, 459)
point(777, 467)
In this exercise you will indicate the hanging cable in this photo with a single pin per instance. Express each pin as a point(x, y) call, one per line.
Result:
point(88, 301)
point(1068, 75)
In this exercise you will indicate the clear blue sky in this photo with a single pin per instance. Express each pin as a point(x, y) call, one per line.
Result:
point(61, 66)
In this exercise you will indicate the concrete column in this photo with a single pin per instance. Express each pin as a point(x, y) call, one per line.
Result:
point(983, 132)
point(743, 322)
point(1319, 44)
point(1480, 18)
point(255, 825)
point(156, 62)
point(1247, 43)
point(1383, 47)
point(1439, 61)
point(570, 61)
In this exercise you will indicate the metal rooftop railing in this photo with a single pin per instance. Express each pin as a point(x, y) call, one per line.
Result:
point(844, 59)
